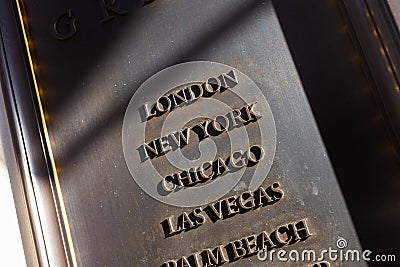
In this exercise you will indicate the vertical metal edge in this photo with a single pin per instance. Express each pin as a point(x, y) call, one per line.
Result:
point(19, 188)
point(377, 39)
point(49, 225)
point(55, 184)
point(357, 243)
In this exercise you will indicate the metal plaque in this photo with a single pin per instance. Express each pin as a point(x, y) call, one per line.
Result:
point(169, 133)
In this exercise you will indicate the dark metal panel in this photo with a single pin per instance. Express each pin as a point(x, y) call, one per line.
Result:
point(349, 115)
point(26, 133)
point(86, 83)
point(378, 38)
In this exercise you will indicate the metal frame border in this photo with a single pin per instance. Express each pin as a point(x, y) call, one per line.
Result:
point(377, 38)
point(48, 239)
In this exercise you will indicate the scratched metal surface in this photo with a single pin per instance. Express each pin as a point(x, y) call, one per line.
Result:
point(86, 83)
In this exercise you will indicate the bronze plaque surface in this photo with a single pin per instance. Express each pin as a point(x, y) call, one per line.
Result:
point(179, 134)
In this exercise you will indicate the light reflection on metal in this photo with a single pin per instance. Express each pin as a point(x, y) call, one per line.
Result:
point(381, 54)
point(68, 244)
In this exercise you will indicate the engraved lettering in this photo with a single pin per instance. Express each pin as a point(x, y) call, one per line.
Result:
point(181, 138)
point(251, 114)
point(212, 85)
point(245, 199)
point(108, 7)
point(64, 25)
point(200, 218)
point(170, 263)
point(195, 92)
point(263, 197)
point(220, 124)
point(184, 262)
point(237, 157)
point(221, 166)
point(301, 230)
point(170, 228)
point(274, 192)
point(181, 177)
point(211, 170)
point(231, 205)
point(244, 247)
point(184, 222)
point(203, 128)
point(251, 244)
point(255, 154)
point(189, 93)
point(163, 104)
point(265, 241)
point(238, 249)
point(164, 144)
point(165, 147)
point(150, 149)
point(204, 167)
point(149, 113)
point(218, 212)
point(236, 118)
point(214, 257)
point(228, 80)
point(179, 97)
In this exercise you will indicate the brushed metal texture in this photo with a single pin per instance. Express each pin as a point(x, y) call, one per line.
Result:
point(86, 82)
